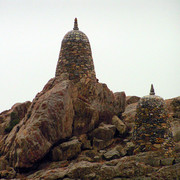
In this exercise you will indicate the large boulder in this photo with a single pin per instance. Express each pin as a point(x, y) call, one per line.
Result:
point(61, 110)
point(104, 132)
point(66, 150)
point(49, 119)
point(102, 136)
point(93, 104)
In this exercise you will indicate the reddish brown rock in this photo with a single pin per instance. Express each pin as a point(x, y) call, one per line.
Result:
point(102, 136)
point(60, 110)
point(50, 119)
point(93, 104)
point(66, 150)
point(72, 103)
point(104, 132)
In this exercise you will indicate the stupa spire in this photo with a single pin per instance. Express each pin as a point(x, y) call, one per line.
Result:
point(152, 92)
point(75, 24)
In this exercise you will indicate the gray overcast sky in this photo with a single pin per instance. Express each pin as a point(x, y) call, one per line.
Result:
point(134, 43)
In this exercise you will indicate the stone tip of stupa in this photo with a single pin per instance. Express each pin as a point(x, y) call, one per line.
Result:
point(75, 24)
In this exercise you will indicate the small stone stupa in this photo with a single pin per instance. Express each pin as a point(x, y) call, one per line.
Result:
point(75, 58)
point(152, 127)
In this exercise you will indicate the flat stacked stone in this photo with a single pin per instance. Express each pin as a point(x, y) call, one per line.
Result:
point(75, 59)
point(152, 127)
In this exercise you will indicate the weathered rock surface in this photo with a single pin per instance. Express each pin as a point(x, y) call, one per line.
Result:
point(49, 119)
point(62, 109)
point(102, 136)
point(104, 132)
point(121, 127)
point(66, 150)
point(115, 162)
point(142, 166)
point(112, 154)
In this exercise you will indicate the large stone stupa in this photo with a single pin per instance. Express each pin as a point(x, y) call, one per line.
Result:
point(75, 58)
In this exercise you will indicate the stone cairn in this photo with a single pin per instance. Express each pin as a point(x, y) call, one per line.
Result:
point(152, 127)
point(75, 58)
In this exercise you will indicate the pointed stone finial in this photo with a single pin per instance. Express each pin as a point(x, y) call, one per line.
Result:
point(75, 24)
point(152, 90)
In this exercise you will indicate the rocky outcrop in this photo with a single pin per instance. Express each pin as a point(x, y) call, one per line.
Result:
point(79, 158)
point(147, 165)
point(62, 109)
point(76, 128)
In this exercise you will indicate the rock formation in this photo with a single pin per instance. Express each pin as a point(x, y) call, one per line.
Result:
point(76, 128)
point(72, 103)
